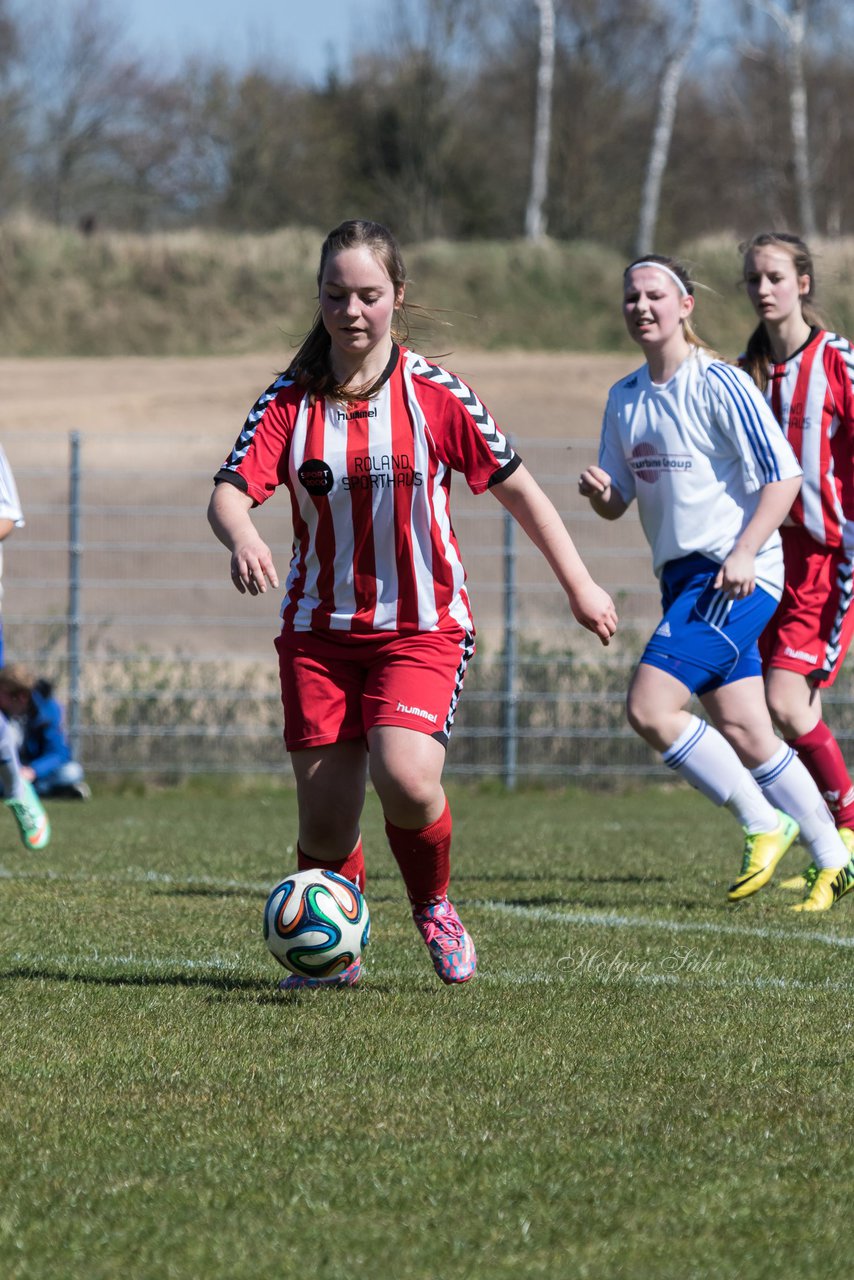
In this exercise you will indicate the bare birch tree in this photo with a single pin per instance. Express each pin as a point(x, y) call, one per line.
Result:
point(668, 92)
point(793, 24)
point(535, 219)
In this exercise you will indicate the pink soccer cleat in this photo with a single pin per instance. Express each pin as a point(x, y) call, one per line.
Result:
point(450, 946)
point(347, 978)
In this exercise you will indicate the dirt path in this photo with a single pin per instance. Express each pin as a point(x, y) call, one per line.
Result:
point(126, 400)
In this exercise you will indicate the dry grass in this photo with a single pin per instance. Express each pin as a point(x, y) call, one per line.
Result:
point(197, 292)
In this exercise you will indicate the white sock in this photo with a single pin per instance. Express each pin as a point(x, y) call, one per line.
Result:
point(753, 810)
point(703, 757)
point(788, 785)
point(11, 782)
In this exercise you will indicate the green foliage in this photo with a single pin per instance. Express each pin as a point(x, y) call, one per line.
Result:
point(641, 1081)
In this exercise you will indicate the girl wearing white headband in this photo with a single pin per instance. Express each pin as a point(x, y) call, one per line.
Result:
point(693, 441)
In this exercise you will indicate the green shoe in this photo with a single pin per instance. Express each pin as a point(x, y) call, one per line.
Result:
point(762, 852)
point(31, 818)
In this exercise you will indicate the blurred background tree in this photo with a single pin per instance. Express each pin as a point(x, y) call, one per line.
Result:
point(433, 126)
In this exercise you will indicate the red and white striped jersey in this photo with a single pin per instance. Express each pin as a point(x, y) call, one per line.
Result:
point(374, 548)
point(812, 397)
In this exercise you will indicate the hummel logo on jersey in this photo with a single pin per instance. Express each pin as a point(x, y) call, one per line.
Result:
point(416, 711)
point(664, 629)
point(343, 416)
point(801, 655)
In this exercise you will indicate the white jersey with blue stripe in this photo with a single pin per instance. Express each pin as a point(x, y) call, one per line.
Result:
point(695, 452)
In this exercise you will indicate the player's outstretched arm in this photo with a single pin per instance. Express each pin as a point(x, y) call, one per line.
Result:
point(251, 559)
point(595, 483)
point(537, 515)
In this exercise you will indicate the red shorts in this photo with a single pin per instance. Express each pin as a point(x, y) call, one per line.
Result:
point(813, 625)
point(336, 685)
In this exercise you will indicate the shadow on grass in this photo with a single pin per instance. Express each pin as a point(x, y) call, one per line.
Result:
point(217, 981)
point(264, 990)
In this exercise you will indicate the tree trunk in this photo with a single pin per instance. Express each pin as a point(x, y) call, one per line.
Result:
point(535, 221)
point(793, 24)
point(662, 134)
point(798, 110)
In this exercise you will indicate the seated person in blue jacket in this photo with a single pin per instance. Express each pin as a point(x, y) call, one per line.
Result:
point(43, 748)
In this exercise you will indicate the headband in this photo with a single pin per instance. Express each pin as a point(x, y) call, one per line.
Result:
point(659, 266)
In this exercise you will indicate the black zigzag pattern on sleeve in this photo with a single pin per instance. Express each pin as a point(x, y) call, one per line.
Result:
point(256, 413)
point(843, 346)
point(479, 415)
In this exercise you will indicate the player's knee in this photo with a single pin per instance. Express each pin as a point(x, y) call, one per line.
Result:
point(642, 714)
point(778, 706)
point(408, 796)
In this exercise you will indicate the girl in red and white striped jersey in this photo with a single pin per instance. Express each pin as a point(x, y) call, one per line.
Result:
point(807, 375)
point(376, 625)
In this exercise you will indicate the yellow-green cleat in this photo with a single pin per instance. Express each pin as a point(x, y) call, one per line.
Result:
point(762, 852)
point(828, 887)
point(806, 879)
point(803, 880)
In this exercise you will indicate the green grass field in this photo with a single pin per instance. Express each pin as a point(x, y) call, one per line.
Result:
point(641, 1081)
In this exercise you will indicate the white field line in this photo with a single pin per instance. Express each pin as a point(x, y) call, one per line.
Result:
point(590, 919)
point(183, 963)
point(608, 919)
point(667, 980)
point(137, 961)
point(580, 919)
point(611, 920)
point(142, 877)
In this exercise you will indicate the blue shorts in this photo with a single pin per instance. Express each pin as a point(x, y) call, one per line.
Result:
point(705, 639)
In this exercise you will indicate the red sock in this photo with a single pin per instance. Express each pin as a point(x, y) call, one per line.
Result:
point(424, 858)
point(351, 868)
point(822, 756)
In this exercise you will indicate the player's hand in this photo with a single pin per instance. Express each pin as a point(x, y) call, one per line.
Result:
point(737, 575)
point(594, 481)
point(595, 610)
point(252, 567)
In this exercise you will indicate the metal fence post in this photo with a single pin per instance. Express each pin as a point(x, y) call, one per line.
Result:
point(75, 551)
point(510, 708)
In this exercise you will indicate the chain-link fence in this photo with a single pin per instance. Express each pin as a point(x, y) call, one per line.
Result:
point(118, 592)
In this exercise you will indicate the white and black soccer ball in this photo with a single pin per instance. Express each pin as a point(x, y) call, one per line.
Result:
point(316, 923)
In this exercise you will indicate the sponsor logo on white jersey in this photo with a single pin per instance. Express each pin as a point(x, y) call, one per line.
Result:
point(649, 465)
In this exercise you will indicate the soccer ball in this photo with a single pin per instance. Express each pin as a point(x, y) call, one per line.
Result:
point(316, 923)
